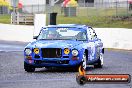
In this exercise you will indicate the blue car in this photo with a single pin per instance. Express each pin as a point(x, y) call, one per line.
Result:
point(64, 45)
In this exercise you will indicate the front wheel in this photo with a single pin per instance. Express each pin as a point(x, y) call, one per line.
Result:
point(28, 67)
point(99, 64)
point(84, 61)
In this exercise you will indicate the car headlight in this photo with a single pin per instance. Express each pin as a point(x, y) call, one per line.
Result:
point(74, 52)
point(66, 51)
point(36, 50)
point(28, 51)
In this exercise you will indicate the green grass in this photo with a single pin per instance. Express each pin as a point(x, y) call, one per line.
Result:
point(84, 11)
point(97, 17)
point(95, 21)
point(5, 19)
point(90, 17)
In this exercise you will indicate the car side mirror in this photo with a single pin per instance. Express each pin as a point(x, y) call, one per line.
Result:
point(35, 37)
point(99, 39)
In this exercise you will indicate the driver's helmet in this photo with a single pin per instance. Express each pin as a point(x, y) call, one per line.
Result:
point(52, 34)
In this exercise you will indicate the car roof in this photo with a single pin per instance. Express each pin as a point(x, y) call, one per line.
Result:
point(67, 25)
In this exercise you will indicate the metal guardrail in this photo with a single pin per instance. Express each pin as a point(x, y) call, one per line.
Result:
point(18, 18)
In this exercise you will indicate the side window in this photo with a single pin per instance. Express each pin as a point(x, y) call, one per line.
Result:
point(91, 34)
point(81, 36)
point(84, 36)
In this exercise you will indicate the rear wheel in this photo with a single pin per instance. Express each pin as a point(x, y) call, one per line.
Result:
point(28, 67)
point(99, 64)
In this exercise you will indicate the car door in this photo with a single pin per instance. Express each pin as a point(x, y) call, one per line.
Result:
point(93, 45)
point(98, 44)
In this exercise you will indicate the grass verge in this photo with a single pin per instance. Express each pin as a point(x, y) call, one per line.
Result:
point(94, 21)
point(5, 19)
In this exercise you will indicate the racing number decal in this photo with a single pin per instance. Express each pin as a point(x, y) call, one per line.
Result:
point(92, 51)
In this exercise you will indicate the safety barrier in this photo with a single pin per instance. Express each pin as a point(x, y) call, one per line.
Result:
point(118, 38)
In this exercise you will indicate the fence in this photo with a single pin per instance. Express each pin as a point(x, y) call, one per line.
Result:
point(92, 13)
point(18, 18)
point(87, 9)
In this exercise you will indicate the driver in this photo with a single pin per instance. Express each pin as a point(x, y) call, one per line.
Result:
point(52, 34)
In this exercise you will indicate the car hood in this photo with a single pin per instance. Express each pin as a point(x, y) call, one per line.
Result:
point(55, 43)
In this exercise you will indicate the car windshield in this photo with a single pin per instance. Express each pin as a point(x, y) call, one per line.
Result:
point(62, 34)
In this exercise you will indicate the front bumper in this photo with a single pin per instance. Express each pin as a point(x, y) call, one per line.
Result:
point(53, 63)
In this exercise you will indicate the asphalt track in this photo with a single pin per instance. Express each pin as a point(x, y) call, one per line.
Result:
point(12, 74)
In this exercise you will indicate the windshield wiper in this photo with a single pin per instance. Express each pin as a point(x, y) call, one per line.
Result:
point(81, 39)
point(45, 39)
point(58, 39)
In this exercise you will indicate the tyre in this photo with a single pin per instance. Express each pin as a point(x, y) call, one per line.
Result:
point(84, 61)
point(76, 69)
point(28, 67)
point(99, 63)
point(49, 68)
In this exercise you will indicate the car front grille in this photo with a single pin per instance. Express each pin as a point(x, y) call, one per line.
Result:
point(51, 52)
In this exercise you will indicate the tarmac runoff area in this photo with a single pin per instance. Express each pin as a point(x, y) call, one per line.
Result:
point(12, 74)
